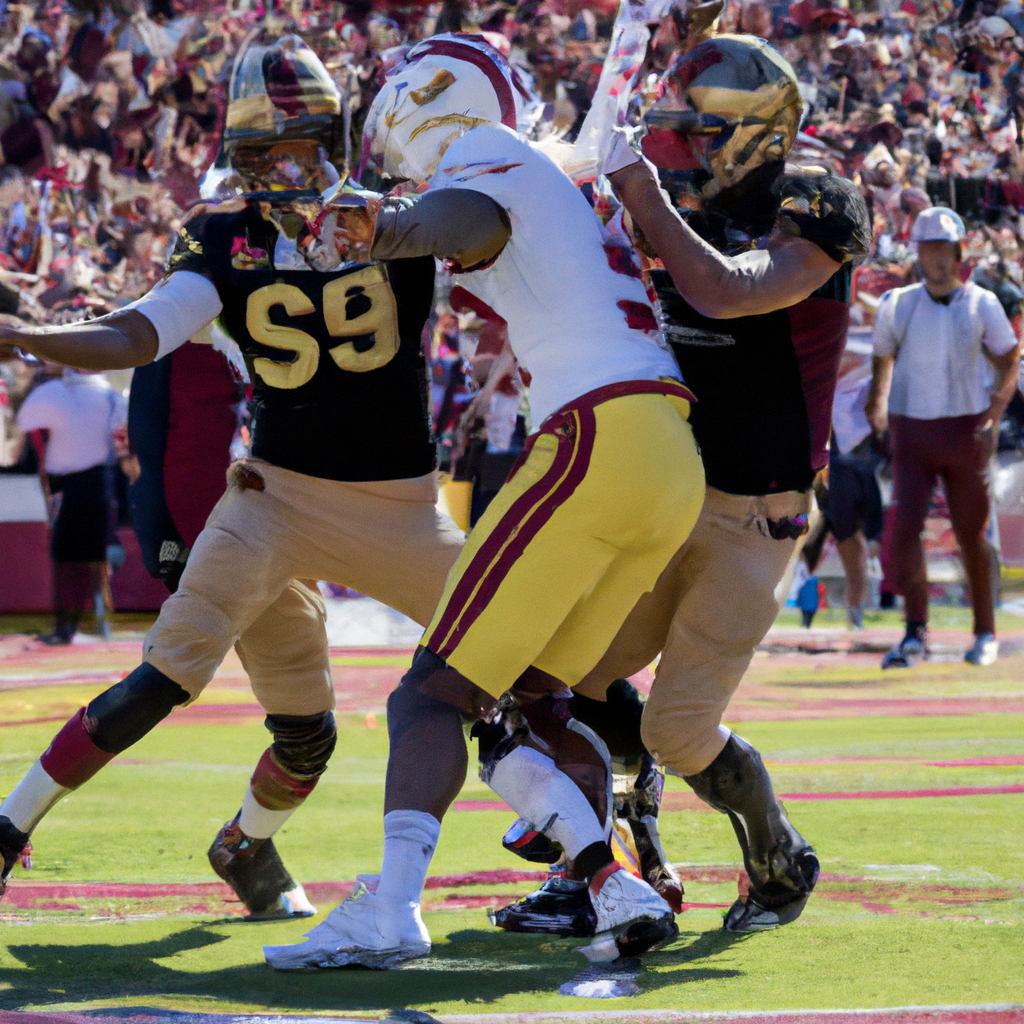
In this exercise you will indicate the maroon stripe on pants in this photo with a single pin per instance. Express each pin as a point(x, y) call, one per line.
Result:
point(528, 530)
point(502, 531)
point(924, 451)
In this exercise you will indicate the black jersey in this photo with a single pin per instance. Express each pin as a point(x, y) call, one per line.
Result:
point(335, 358)
point(764, 384)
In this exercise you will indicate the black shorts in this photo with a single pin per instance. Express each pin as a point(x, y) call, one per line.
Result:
point(854, 501)
point(83, 520)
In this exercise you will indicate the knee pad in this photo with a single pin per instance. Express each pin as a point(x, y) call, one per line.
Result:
point(303, 744)
point(781, 864)
point(122, 715)
point(616, 720)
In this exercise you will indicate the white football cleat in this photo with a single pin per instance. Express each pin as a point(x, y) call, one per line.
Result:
point(364, 931)
point(632, 919)
point(985, 650)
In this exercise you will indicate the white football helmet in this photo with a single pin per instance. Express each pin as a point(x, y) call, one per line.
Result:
point(445, 85)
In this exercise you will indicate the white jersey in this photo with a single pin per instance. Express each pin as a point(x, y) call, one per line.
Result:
point(80, 411)
point(574, 322)
point(941, 368)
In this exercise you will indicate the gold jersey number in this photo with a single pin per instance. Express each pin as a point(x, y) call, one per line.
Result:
point(354, 306)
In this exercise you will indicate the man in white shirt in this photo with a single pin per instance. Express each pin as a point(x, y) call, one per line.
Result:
point(944, 369)
point(80, 411)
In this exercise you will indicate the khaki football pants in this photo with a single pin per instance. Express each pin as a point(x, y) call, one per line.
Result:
point(249, 581)
point(709, 610)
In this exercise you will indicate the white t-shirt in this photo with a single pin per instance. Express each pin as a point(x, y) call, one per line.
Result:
point(941, 369)
point(849, 423)
point(569, 313)
point(80, 411)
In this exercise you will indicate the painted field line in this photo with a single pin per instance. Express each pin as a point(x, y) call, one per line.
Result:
point(677, 801)
point(1008, 1014)
point(984, 1014)
point(996, 760)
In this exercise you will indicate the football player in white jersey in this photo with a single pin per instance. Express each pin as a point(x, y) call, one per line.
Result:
point(608, 487)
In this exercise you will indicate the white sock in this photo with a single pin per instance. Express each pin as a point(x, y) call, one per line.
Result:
point(536, 790)
point(32, 798)
point(260, 822)
point(410, 838)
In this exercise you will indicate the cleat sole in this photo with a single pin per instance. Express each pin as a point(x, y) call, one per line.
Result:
point(290, 958)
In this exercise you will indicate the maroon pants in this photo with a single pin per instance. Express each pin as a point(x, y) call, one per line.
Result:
point(922, 452)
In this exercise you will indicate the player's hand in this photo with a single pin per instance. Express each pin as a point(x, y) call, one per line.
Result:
point(12, 341)
point(475, 412)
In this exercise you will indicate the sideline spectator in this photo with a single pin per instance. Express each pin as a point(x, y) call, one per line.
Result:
point(936, 345)
point(80, 411)
point(854, 500)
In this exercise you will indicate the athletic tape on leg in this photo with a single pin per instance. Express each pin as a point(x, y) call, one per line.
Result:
point(32, 798)
point(536, 790)
point(410, 838)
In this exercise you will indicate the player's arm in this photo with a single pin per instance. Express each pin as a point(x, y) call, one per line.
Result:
point(718, 286)
point(876, 408)
point(1002, 347)
point(151, 327)
point(116, 341)
point(466, 227)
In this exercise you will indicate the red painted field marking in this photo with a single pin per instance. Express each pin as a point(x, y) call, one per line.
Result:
point(676, 801)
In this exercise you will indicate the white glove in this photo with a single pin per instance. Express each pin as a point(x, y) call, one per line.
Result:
point(620, 152)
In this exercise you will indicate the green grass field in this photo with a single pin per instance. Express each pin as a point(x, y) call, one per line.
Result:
point(922, 901)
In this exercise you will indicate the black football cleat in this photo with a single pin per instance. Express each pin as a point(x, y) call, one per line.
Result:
point(772, 905)
point(254, 870)
point(13, 843)
point(559, 907)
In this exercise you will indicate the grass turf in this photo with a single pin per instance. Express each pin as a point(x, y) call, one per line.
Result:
point(922, 903)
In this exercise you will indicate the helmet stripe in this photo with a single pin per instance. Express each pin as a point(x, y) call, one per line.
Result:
point(482, 61)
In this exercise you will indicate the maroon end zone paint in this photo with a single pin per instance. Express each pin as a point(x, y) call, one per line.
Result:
point(72, 758)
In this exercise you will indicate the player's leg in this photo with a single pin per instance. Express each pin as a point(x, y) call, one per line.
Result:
point(725, 613)
point(914, 479)
point(544, 545)
point(284, 653)
point(232, 575)
point(965, 478)
point(385, 539)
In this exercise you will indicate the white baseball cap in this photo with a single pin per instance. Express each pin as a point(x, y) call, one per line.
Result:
point(938, 224)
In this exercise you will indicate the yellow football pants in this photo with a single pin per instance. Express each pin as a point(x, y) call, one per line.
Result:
point(604, 495)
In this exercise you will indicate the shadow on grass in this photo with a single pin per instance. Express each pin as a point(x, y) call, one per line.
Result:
point(472, 967)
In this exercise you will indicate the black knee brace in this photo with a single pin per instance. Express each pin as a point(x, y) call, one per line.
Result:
point(303, 744)
point(780, 862)
point(122, 715)
point(616, 720)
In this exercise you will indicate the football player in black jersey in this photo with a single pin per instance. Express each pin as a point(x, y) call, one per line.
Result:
point(341, 481)
point(754, 295)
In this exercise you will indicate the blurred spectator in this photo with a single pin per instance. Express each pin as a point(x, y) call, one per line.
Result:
point(854, 501)
point(945, 368)
point(79, 413)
